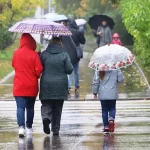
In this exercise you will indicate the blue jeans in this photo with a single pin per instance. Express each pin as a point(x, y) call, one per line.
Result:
point(108, 109)
point(76, 76)
point(22, 104)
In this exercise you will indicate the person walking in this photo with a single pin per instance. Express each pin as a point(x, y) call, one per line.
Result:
point(104, 34)
point(27, 65)
point(54, 84)
point(116, 39)
point(105, 85)
point(69, 46)
point(78, 38)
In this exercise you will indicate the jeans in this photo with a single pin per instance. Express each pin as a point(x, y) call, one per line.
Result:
point(52, 110)
point(76, 76)
point(22, 104)
point(108, 109)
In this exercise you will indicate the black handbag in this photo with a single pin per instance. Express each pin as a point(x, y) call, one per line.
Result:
point(79, 52)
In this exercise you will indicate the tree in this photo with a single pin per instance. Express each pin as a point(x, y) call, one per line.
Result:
point(81, 11)
point(12, 11)
point(67, 6)
point(136, 17)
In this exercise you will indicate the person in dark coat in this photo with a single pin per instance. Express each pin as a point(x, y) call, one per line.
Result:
point(70, 48)
point(54, 84)
point(28, 68)
point(77, 35)
point(78, 39)
point(104, 34)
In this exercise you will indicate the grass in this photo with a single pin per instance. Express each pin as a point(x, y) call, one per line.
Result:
point(5, 68)
point(8, 52)
point(5, 59)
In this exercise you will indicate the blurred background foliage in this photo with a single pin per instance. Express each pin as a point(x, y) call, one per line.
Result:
point(87, 8)
point(132, 19)
point(12, 11)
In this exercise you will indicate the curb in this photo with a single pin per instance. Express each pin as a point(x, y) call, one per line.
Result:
point(7, 77)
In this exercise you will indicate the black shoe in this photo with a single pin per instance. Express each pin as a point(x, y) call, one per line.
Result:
point(56, 133)
point(46, 128)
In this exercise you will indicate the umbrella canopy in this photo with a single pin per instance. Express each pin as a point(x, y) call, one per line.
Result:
point(40, 26)
point(96, 21)
point(80, 22)
point(55, 17)
point(110, 58)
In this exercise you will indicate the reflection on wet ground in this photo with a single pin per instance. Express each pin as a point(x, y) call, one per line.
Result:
point(134, 85)
point(81, 128)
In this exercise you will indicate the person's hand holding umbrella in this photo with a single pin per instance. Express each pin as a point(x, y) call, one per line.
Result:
point(99, 33)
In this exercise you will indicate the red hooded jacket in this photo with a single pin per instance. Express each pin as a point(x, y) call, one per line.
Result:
point(28, 67)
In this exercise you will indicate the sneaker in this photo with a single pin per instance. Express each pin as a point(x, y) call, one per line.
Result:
point(29, 131)
point(106, 130)
point(46, 128)
point(21, 132)
point(111, 126)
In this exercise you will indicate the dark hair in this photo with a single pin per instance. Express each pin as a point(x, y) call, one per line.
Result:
point(56, 40)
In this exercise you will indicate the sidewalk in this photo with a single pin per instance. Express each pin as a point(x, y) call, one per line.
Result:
point(81, 128)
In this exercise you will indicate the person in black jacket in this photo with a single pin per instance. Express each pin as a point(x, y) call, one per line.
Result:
point(78, 39)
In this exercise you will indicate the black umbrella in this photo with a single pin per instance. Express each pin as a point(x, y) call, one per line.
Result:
point(96, 21)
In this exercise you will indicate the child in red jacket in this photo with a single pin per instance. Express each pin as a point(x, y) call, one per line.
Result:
point(116, 39)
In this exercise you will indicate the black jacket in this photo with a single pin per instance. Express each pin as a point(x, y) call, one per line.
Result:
point(77, 36)
point(70, 47)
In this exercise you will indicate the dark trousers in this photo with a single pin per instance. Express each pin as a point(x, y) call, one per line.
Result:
point(52, 110)
point(108, 111)
point(22, 104)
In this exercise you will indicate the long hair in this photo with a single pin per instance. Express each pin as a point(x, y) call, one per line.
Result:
point(101, 75)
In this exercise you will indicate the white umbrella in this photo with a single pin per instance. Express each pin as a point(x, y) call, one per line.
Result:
point(55, 17)
point(110, 58)
point(80, 22)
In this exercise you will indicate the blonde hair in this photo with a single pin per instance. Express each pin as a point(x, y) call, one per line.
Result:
point(101, 75)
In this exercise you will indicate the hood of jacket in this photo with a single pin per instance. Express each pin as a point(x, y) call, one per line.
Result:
point(27, 41)
point(54, 48)
point(116, 35)
point(72, 24)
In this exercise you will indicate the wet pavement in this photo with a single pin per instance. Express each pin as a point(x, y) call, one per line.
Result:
point(134, 86)
point(81, 128)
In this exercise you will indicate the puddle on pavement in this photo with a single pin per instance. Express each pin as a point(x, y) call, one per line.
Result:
point(133, 86)
point(87, 139)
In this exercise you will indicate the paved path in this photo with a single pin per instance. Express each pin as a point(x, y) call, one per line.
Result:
point(81, 128)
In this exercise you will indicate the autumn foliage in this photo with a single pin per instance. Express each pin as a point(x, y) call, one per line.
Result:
point(12, 11)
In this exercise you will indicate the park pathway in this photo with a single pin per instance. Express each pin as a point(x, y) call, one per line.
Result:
point(81, 128)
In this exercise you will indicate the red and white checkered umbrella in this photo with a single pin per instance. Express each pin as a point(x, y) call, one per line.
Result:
point(110, 58)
